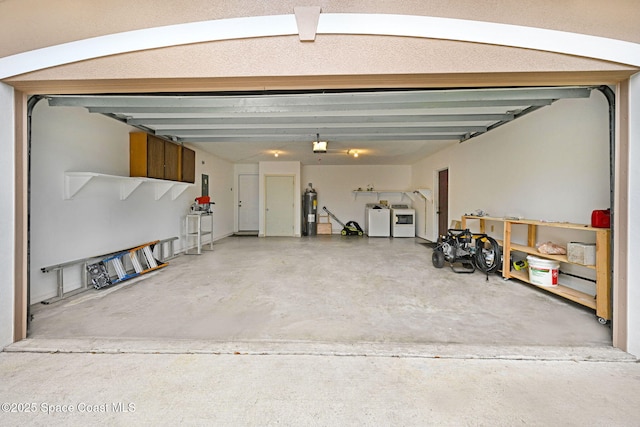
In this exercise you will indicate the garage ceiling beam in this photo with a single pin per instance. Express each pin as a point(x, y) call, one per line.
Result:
point(324, 131)
point(272, 120)
point(349, 116)
point(391, 133)
point(501, 122)
point(325, 99)
point(408, 107)
point(308, 138)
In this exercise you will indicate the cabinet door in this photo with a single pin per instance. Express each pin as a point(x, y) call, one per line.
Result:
point(171, 161)
point(138, 154)
point(155, 157)
point(188, 165)
point(152, 157)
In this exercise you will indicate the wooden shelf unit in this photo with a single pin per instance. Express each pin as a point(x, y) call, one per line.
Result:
point(601, 302)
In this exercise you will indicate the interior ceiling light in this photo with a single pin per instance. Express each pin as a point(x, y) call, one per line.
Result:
point(353, 153)
point(319, 146)
point(276, 154)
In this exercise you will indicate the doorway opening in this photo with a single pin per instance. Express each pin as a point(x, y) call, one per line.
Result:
point(279, 205)
point(248, 201)
point(443, 202)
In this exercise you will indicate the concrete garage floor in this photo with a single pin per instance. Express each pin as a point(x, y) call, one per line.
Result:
point(302, 390)
point(328, 289)
point(299, 332)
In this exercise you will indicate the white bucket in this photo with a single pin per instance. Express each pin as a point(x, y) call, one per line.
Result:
point(543, 272)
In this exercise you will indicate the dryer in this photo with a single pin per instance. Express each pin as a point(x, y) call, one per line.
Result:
point(403, 221)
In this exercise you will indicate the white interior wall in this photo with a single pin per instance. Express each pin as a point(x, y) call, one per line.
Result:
point(279, 168)
point(96, 221)
point(335, 186)
point(552, 165)
point(221, 190)
point(7, 218)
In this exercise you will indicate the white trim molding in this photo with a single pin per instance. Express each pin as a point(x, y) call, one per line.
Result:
point(7, 215)
point(482, 32)
point(583, 45)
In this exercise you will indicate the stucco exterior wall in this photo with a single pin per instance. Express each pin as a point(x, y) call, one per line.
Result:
point(35, 26)
point(38, 24)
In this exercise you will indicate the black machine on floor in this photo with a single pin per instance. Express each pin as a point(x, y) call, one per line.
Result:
point(456, 247)
point(351, 228)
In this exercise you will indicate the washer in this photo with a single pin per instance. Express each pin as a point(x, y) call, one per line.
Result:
point(403, 221)
point(377, 221)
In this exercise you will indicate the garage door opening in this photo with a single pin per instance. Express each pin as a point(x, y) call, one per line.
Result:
point(556, 149)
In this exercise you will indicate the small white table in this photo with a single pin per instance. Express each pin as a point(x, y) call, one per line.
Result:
point(194, 230)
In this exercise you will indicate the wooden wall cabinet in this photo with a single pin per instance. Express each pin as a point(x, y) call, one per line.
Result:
point(152, 157)
point(188, 165)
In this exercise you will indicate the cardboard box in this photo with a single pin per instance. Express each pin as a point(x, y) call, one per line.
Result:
point(324, 227)
point(582, 253)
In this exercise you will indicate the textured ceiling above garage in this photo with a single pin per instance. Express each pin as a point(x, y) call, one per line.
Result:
point(384, 127)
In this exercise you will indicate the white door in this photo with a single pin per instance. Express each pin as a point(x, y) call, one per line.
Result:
point(279, 205)
point(248, 197)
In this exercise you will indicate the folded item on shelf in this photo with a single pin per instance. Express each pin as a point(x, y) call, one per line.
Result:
point(550, 248)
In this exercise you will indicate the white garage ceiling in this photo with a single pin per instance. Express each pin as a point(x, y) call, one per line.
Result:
point(384, 127)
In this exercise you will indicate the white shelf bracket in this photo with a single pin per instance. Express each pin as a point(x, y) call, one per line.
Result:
point(74, 183)
point(162, 188)
point(177, 190)
point(426, 193)
point(128, 186)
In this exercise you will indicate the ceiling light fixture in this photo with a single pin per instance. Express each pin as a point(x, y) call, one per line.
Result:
point(353, 153)
point(319, 146)
point(276, 154)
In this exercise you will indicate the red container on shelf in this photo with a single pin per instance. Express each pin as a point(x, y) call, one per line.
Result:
point(601, 218)
point(203, 200)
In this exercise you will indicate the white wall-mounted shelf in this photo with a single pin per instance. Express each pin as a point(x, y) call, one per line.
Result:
point(426, 193)
point(407, 193)
point(76, 181)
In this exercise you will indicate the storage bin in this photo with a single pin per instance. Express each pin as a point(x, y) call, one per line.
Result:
point(582, 253)
point(543, 272)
